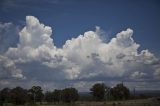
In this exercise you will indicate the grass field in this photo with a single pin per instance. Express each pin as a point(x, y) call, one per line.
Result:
point(141, 102)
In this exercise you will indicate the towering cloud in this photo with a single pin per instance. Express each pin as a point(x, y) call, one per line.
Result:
point(85, 58)
point(35, 42)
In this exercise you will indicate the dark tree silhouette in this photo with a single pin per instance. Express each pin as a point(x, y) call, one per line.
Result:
point(4, 95)
point(120, 92)
point(98, 91)
point(69, 95)
point(18, 95)
point(57, 95)
point(36, 94)
point(49, 97)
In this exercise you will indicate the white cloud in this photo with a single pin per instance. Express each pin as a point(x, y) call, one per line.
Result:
point(9, 69)
point(87, 57)
point(138, 74)
point(35, 42)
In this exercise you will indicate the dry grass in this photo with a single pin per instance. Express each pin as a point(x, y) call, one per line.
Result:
point(142, 102)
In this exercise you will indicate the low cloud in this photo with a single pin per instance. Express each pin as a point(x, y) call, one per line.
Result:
point(8, 69)
point(85, 58)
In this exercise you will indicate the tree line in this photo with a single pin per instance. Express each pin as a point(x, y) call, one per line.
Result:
point(99, 92)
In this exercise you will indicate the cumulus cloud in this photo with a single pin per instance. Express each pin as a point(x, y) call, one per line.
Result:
point(9, 69)
point(35, 42)
point(85, 58)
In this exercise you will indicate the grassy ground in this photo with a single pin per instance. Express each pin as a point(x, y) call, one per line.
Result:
point(142, 102)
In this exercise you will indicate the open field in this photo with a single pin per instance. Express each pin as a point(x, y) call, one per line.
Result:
point(141, 102)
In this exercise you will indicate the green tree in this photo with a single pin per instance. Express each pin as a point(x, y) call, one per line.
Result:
point(18, 95)
point(36, 94)
point(69, 95)
point(98, 91)
point(120, 92)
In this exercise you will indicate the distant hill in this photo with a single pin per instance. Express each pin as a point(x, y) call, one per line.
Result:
point(151, 93)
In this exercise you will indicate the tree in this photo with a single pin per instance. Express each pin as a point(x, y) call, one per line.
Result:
point(57, 95)
point(49, 96)
point(18, 95)
point(36, 94)
point(98, 91)
point(120, 92)
point(4, 95)
point(69, 95)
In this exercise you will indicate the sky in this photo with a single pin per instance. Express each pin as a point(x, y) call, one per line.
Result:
point(77, 43)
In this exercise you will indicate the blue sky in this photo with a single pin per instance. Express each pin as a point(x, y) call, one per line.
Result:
point(73, 17)
point(70, 18)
